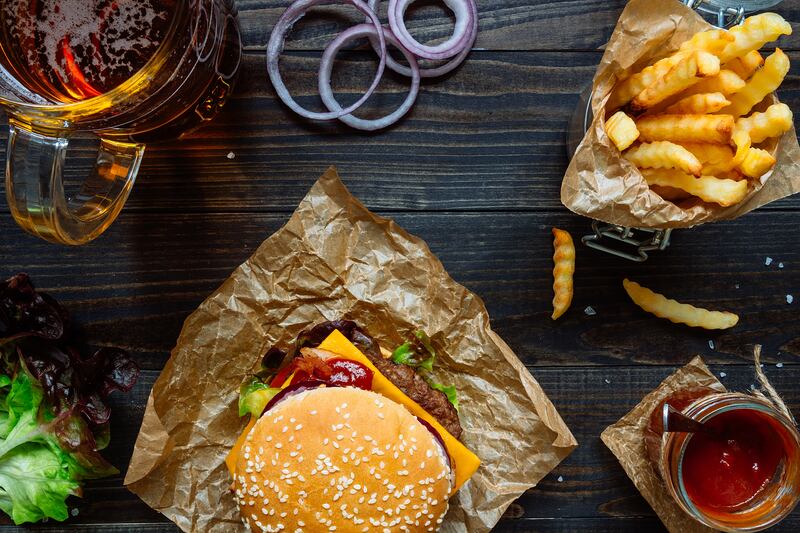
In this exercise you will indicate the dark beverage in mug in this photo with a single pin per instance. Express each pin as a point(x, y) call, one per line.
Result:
point(130, 71)
point(71, 50)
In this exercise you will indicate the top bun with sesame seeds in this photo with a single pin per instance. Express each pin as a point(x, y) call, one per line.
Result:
point(341, 459)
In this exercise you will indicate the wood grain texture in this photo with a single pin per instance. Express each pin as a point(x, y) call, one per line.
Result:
point(162, 266)
point(593, 490)
point(503, 25)
point(490, 137)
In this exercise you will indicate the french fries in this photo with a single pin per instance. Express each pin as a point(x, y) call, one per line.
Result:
point(712, 41)
point(563, 271)
point(664, 154)
point(753, 33)
point(775, 121)
point(629, 88)
point(684, 74)
point(756, 163)
point(710, 189)
point(726, 82)
point(746, 65)
point(716, 158)
point(686, 128)
point(621, 129)
point(662, 307)
point(687, 121)
point(763, 82)
point(698, 104)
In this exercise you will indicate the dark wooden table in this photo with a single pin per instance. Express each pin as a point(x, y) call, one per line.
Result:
point(475, 170)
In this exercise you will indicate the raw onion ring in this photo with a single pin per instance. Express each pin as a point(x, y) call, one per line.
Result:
point(326, 92)
point(433, 72)
point(275, 46)
point(466, 14)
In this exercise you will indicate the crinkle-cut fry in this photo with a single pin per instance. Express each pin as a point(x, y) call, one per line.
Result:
point(762, 83)
point(753, 33)
point(726, 82)
point(563, 271)
point(664, 154)
point(746, 65)
point(716, 158)
point(621, 129)
point(686, 128)
point(775, 121)
point(756, 163)
point(674, 311)
point(670, 194)
point(741, 140)
point(628, 88)
point(707, 188)
point(712, 41)
point(684, 74)
point(698, 104)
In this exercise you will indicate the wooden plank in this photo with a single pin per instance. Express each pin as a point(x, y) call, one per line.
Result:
point(491, 137)
point(504, 24)
point(136, 285)
point(593, 488)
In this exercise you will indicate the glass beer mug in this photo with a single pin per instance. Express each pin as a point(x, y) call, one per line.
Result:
point(130, 71)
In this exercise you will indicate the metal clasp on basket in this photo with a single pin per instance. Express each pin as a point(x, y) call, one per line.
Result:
point(644, 240)
point(726, 16)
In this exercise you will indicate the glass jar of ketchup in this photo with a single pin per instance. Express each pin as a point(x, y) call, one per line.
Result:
point(742, 474)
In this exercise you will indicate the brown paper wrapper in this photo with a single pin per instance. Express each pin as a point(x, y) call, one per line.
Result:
point(600, 184)
point(626, 441)
point(335, 259)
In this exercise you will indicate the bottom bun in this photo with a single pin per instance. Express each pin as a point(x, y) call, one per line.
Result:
point(341, 459)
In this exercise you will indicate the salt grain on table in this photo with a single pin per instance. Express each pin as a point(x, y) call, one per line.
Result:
point(722, 374)
point(780, 265)
point(711, 344)
point(590, 310)
point(231, 155)
point(779, 365)
point(789, 298)
point(607, 380)
point(560, 479)
point(768, 261)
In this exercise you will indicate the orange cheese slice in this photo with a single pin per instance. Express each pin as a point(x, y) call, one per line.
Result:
point(466, 462)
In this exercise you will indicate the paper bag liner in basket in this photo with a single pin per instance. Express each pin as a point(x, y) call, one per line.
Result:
point(601, 184)
point(336, 259)
point(626, 440)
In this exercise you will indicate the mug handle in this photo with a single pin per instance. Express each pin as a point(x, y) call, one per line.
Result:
point(35, 188)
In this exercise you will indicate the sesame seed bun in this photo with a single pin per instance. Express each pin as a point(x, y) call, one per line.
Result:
point(341, 459)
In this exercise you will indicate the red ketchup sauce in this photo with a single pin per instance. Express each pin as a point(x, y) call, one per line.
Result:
point(724, 471)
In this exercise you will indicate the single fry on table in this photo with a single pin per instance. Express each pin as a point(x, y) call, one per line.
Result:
point(680, 313)
point(563, 271)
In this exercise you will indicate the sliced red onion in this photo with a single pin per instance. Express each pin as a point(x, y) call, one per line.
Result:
point(293, 390)
point(325, 91)
point(433, 72)
point(275, 46)
point(466, 17)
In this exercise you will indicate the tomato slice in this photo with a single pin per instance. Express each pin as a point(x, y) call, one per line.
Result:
point(349, 373)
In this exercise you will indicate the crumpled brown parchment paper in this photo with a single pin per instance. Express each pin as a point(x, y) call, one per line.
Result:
point(600, 184)
point(336, 259)
point(626, 441)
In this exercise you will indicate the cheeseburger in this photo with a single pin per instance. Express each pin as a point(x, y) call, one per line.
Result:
point(345, 436)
